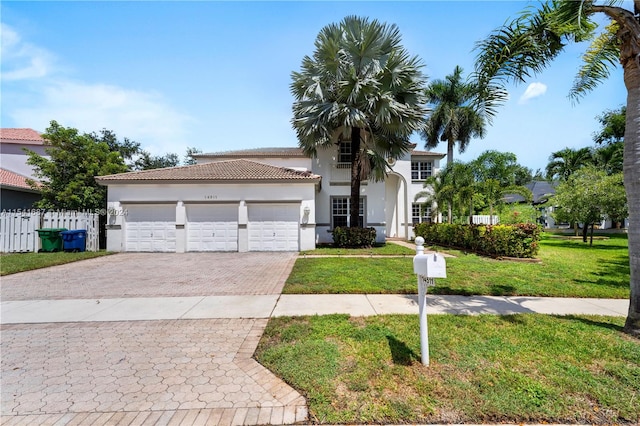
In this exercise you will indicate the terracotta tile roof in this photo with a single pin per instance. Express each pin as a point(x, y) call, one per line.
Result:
point(23, 136)
point(231, 170)
point(256, 152)
point(416, 152)
point(14, 180)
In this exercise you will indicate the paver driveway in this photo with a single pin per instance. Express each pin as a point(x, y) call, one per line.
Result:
point(154, 275)
point(145, 372)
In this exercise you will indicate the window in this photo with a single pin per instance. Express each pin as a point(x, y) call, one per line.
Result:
point(420, 170)
point(340, 211)
point(418, 216)
point(344, 153)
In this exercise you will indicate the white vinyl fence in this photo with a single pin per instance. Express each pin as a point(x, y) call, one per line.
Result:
point(485, 219)
point(18, 229)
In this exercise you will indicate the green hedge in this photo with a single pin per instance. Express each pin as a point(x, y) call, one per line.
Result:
point(519, 240)
point(354, 237)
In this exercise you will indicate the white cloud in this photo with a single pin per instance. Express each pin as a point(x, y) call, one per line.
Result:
point(534, 90)
point(144, 117)
point(22, 60)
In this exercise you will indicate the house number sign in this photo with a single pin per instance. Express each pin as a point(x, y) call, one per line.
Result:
point(210, 197)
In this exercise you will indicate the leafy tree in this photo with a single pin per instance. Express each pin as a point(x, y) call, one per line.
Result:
point(146, 161)
point(588, 196)
point(361, 85)
point(189, 159)
point(456, 116)
point(127, 148)
point(67, 177)
point(565, 162)
point(529, 43)
point(613, 125)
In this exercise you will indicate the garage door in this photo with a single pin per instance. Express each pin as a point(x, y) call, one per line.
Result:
point(151, 228)
point(273, 227)
point(212, 228)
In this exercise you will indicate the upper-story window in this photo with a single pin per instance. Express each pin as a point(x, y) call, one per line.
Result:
point(421, 170)
point(344, 152)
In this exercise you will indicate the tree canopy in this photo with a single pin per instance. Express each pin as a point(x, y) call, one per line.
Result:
point(361, 87)
point(67, 177)
point(527, 44)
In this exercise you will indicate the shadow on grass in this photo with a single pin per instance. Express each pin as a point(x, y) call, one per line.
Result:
point(401, 353)
point(611, 273)
point(589, 321)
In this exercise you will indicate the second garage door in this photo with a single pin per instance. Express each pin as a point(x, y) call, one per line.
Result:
point(151, 228)
point(273, 227)
point(212, 227)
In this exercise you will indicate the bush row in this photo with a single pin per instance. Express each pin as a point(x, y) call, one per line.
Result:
point(354, 237)
point(518, 240)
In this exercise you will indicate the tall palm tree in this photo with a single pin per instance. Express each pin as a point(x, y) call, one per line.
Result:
point(565, 162)
point(439, 193)
point(609, 157)
point(360, 84)
point(529, 43)
point(456, 116)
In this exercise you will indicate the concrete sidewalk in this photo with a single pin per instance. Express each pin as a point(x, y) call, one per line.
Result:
point(265, 306)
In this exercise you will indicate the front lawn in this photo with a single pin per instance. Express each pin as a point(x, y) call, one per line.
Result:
point(484, 369)
point(10, 263)
point(381, 250)
point(569, 268)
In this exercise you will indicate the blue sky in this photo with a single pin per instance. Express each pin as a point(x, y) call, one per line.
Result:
point(216, 75)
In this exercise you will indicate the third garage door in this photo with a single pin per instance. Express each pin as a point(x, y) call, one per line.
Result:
point(212, 227)
point(273, 227)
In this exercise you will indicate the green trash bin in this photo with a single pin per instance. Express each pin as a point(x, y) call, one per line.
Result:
point(50, 239)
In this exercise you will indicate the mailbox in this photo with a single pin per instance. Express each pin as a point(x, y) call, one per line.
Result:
point(430, 265)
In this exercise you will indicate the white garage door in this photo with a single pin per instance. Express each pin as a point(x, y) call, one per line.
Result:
point(212, 227)
point(151, 228)
point(273, 227)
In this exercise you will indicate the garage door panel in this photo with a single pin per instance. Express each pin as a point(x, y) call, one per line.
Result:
point(212, 228)
point(150, 228)
point(273, 227)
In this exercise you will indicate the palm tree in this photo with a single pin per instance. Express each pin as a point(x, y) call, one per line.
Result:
point(361, 85)
point(609, 157)
point(439, 193)
point(529, 43)
point(456, 116)
point(565, 162)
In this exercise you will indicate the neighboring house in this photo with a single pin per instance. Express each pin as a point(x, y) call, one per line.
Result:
point(269, 199)
point(15, 193)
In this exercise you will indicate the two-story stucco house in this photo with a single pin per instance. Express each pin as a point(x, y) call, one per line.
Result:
point(269, 199)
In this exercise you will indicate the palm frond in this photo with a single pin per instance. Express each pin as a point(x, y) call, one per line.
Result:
point(599, 59)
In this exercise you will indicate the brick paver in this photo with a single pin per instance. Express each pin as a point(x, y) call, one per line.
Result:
point(154, 275)
point(166, 372)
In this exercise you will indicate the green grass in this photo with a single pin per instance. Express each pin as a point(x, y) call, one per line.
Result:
point(20, 262)
point(382, 250)
point(569, 268)
point(484, 369)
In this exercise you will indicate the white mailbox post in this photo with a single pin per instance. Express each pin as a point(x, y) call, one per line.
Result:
point(428, 267)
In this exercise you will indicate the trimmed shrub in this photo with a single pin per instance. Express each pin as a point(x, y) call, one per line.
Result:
point(354, 237)
point(518, 240)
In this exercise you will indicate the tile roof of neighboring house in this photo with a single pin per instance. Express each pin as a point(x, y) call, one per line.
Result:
point(256, 152)
point(231, 170)
point(541, 190)
point(23, 136)
point(13, 180)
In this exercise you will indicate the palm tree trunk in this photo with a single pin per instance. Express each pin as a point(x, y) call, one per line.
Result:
point(356, 167)
point(450, 145)
point(632, 187)
point(449, 213)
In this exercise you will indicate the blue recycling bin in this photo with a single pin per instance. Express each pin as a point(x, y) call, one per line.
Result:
point(75, 240)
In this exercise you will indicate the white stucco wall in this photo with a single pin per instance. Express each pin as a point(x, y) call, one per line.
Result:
point(14, 158)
